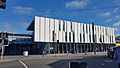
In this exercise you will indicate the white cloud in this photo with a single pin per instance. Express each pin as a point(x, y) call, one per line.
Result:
point(115, 10)
point(104, 14)
point(108, 20)
point(117, 23)
point(23, 24)
point(116, 29)
point(118, 17)
point(7, 26)
point(10, 27)
point(47, 13)
point(1, 9)
point(77, 4)
point(23, 10)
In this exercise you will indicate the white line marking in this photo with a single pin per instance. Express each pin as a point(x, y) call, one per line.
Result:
point(23, 64)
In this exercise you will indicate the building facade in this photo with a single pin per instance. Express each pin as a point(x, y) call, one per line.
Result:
point(60, 36)
point(17, 43)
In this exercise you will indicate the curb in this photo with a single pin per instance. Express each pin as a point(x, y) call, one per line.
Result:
point(7, 60)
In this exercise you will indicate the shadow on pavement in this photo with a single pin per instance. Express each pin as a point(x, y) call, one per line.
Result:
point(92, 61)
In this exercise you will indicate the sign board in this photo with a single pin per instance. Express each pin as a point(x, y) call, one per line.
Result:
point(77, 64)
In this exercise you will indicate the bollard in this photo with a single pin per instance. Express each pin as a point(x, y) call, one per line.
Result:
point(25, 53)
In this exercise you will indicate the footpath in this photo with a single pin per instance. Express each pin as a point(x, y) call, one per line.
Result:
point(51, 56)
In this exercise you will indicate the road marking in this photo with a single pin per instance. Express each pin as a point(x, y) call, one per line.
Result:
point(23, 64)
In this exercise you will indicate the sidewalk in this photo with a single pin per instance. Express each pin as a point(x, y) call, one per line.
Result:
point(52, 56)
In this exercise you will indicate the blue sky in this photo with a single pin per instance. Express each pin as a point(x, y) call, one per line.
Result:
point(20, 13)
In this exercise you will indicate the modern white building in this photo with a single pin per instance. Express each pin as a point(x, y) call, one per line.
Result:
point(60, 36)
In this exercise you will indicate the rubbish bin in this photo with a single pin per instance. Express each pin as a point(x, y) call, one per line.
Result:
point(77, 64)
point(25, 53)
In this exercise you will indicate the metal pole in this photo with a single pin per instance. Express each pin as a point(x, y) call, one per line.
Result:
point(74, 48)
point(62, 48)
point(67, 49)
point(77, 49)
point(2, 47)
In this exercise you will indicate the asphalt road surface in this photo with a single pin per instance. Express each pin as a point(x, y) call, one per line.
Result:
point(95, 61)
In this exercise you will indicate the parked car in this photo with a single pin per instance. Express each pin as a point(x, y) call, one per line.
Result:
point(110, 52)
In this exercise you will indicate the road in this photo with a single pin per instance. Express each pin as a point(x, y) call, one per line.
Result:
point(94, 61)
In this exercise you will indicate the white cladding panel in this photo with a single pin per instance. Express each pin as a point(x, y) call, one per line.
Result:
point(47, 35)
point(97, 34)
point(81, 26)
point(94, 29)
point(82, 33)
point(51, 29)
point(75, 31)
point(57, 36)
point(67, 36)
point(63, 35)
point(44, 28)
point(82, 41)
point(73, 26)
point(61, 25)
point(88, 33)
point(37, 30)
point(91, 33)
point(114, 36)
point(68, 26)
point(97, 41)
point(85, 33)
point(56, 26)
point(87, 28)
point(84, 26)
point(99, 31)
point(107, 35)
point(78, 30)
point(60, 36)
point(71, 36)
point(65, 25)
point(104, 35)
